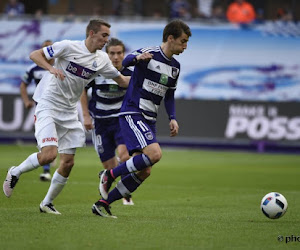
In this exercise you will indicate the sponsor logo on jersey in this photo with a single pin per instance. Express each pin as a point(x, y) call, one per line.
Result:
point(80, 71)
point(113, 87)
point(155, 88)
point(163, 79)
point(50, 51)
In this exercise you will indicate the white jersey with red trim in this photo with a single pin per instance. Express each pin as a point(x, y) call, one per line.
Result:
point(79, 66)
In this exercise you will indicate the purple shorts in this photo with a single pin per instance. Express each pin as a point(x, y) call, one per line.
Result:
point(137, 132)
point(106, 137)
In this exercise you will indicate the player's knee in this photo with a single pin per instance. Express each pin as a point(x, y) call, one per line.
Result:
point(51, 158)
point(155, 156)
point(124, 156)
point(47, 157)
point(68, 163)
point(123, 153)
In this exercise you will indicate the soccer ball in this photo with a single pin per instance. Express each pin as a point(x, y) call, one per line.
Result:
point(273, 205)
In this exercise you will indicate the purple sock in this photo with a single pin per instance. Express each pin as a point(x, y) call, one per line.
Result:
point(113, 195)
point(134, 164)
point(124, 187)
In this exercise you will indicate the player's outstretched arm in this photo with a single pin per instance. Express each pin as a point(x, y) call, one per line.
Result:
point(40, 59)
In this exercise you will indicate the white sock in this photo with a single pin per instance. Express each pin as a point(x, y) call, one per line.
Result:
point(29, 164)
point(57, 184)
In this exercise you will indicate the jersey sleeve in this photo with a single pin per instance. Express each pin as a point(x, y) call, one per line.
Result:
point(130, 59)
point(176, 72)
point(57, 49)
point(27, 77)
point(108, 70)
point(170, 104)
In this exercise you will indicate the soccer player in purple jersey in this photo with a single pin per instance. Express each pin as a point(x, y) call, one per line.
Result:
point(154, 78)
point(34, 74)
point(101, 113)
point(57, 128)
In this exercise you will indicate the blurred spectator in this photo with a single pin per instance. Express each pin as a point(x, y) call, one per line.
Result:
point(260, 7)
point(180, 9)
point(38, 14)
point(205, 8)
point(240, 12)
point(139, 7)
point(284, 14)
point(157, 14)
point(210, 9)
point(260, 16)
point(14, 8)
point(218, 12)
point(97, 10)
point(128, 7)
point(71, 16)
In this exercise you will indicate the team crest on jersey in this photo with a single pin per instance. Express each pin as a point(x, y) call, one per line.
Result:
point(174, 72)
point(100, 149)
point(149, 136)
point(95, 64)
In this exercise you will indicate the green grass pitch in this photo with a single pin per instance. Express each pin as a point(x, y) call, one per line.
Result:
point(193, 200)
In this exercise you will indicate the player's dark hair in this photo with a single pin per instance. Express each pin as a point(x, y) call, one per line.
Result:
point(115, 42)
point(175, 28)
point(95, 25)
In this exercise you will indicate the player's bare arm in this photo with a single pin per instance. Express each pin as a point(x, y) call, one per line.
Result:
point(40, 59)
point(174, 128)
point(122, 81)
point(27, 102)
point(87, 120)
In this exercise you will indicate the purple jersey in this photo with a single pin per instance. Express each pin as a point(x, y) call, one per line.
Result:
point(107, 96)
point(151, 81)
point(33, 73)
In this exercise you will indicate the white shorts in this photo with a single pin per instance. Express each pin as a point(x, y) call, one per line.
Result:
point(57, 128)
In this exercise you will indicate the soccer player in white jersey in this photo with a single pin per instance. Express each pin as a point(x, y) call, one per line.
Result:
point(154, 78)
point(57, 128)
point(34, 74)
point(101, 113)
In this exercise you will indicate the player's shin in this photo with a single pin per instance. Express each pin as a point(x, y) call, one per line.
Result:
point(136, 163)
point(29, 164)
point(124, 187)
